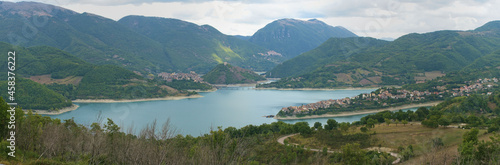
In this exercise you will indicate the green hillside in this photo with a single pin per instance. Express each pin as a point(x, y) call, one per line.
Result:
point(334, 49)
point(90, 37)
point(292, 37)
point(32, 95)
point(406, 60)
point(66, 77)
point(200, 48)
point(153, 45)
point(228, 74)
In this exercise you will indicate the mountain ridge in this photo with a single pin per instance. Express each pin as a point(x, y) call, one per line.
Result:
point(405, 60)
point(292, 37)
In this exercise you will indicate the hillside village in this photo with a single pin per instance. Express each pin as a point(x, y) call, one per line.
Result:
point(386, 97)
point(180, 76)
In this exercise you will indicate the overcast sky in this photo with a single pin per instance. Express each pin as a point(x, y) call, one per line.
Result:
point(374, 18)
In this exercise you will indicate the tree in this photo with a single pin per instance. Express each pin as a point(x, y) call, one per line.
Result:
point(353, 154)
point(111, 127)
point(363, 129)
point(470, 136)
point(331, 124)
point(422, 113)
point(317, 125)
point(404, 122)
point(387, 121)
point(443, 121)
point(303, 128)
point(4, 118)
point(344, 126)
point(370, 123)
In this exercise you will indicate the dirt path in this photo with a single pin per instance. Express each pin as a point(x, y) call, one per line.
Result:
point(281, 140)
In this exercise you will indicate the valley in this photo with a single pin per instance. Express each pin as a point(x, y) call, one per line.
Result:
point(306, 87)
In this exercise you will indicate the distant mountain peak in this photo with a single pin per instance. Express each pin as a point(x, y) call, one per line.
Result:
point(292, 37)
point(29, 9)
point(490, 26)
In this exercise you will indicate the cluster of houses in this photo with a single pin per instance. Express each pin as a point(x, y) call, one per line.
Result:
point(180, 76)
point(386, 93)
point(476, 86)
point(317, 105)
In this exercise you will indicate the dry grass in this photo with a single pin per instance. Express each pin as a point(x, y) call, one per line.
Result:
point(430, 76)
point(392, 136)
point(376, 79)
point(419, 137)
point(342, 77)
point(45, 79)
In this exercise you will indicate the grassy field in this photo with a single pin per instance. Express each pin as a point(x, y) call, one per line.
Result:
point(392, 136)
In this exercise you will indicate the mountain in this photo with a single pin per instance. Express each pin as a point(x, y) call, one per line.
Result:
point(48, 78)
point(200, 48)
point(148, 47)
point(334, 49)
point(291, 37)
point(90, 37)
point(410, 58)
point(243, 37)
point(229, 74)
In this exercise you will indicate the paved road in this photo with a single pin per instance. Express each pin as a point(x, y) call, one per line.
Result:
point(281, 140)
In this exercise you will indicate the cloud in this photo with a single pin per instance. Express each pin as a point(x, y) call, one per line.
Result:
point(130, 2)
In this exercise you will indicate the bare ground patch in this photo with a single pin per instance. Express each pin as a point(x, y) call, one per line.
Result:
point(342, 77)
point(430, 76)
point(46, 79)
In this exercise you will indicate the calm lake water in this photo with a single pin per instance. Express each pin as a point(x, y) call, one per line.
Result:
point(230, 106)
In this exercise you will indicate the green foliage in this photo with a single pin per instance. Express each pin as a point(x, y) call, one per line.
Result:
point(228, 74)
point(97, 82)
point(188, 84)
point(352, 154)
point(395, 63)
point(471, 136)
point(473, 152)
point(192, 47)
point(331, 124)
point(32, 95)
point(334, 49)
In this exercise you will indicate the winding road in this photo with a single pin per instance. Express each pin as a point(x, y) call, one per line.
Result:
point(281, 140)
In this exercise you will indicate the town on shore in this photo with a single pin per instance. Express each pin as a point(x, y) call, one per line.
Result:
point(390, 97)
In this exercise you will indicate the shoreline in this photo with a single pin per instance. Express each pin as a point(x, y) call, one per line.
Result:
point(53, 112)
point(318, 89)
point(135, 100)
point(240, 85)
point(201, 91)
point(361, 112)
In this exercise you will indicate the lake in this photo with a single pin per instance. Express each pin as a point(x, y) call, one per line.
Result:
point(228, 106)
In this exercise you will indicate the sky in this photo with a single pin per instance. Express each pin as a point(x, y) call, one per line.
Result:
point(372, 18)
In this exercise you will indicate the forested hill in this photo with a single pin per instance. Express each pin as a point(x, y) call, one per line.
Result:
point(334, 49)
point(49, 78)
point(228, 74)
point(147, 45)
point(200, 48)
point(406, 60)
point(93, 38)
point(292, 37)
